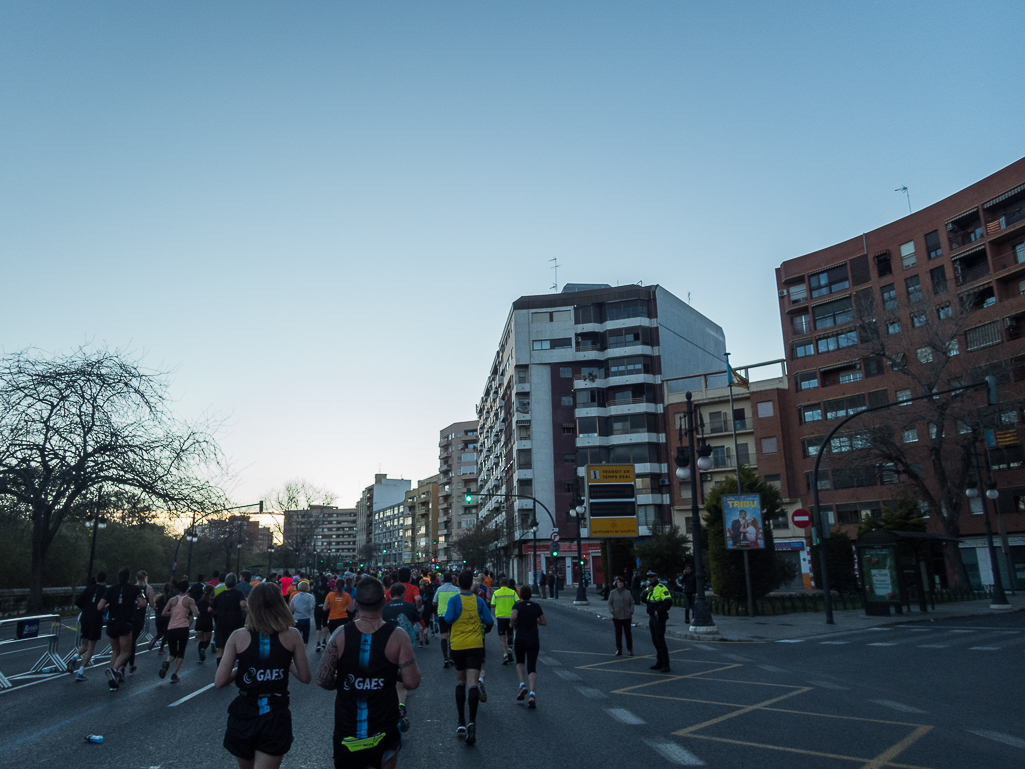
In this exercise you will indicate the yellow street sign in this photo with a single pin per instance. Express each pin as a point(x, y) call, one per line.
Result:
point(613, 527)
point(610, 473)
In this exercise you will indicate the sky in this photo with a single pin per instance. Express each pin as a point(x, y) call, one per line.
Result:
point(316, 216)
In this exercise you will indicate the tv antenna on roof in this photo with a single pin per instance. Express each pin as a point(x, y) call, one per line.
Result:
point(555, 285)
point(904, 189)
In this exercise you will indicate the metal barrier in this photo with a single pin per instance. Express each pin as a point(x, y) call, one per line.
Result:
point(27, 630)
point(102, 655)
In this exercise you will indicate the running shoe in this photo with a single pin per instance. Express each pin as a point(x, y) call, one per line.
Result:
point(131, 670)
point(619, 652)
point(120, 675)
point(447, 663)
point(202, 654)
point(532, 702)
point(403, 718)
point(461, 730)
point(174, 678)
point(427, 640)
point(505, 660)
point(163, 668)
point(471, 734)
point(80, 676)
point(72, 662)
point(480, 690)
point(111, 679)
point(523, 693)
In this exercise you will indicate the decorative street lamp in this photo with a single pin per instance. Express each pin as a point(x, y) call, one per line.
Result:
point(94, 521)
point(578, 514)
point(192, 537)
point(270, 558)
point(999, 597)
point(689, 462)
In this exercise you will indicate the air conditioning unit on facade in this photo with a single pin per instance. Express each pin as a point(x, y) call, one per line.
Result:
point(782, 292)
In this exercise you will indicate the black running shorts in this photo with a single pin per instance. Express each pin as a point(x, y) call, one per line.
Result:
point(270, 734)
point(118, 629)
point(471, 659)
point(91, 628)
point(503, 626)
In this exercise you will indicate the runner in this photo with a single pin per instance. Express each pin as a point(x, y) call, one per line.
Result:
point(503, 600)
point(484, 593)
point(120, 601)
point(204, 620)
point(160, 621)
point(427, 589)
point(267, 649)
point(337, 605)
point(139, 617)
point(470, 619)
point(445, 592)
point(226, 608)
point(90, 625)
point(320, 592)
point(526, 616)
point(412, 595)
point(302, 609)
point(365, 652)
point(179, 611)
point(401, 613)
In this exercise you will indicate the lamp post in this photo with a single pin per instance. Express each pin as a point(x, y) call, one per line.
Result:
point(1000, 601)
point(192, 538)
point(578, 513)
point(270, 558)
point(689, 462)
point(94, 521)
point(238, 558)
point(533, 564)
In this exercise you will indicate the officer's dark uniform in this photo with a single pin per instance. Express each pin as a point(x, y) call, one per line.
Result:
point(658, 600)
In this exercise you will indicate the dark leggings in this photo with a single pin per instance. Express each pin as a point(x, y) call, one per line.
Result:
point(529, 653)
point(177, 640)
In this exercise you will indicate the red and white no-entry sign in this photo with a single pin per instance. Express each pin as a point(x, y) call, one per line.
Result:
point(801, 518)
point(555, 536)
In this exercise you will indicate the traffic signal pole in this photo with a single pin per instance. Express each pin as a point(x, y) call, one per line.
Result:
point(469, 499)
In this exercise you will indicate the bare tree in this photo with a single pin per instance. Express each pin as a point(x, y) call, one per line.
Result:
point(73, 424)
point(930, 443)
point(298, 502)
point(474, 545)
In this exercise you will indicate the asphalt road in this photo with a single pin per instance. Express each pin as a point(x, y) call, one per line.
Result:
point(917, 695)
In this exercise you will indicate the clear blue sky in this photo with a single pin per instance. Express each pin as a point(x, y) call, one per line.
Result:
point(318, 214)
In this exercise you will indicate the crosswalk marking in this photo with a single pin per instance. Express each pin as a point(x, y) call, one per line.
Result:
point(1007, 739)
point(882, 644)
point(568, 675)
point(591, 694)
point(900, 706)
point(833, 643)
point(791, 641)
point(983, 648)
point(829, 685)
point(773, 669)
point(625, 716)
point(932, 646)
point(674, 753)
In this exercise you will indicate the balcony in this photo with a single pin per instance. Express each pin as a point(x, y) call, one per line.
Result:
point(727, 425)
point(971, 267)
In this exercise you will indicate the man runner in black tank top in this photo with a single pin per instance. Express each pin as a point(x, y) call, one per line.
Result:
point(363, 661)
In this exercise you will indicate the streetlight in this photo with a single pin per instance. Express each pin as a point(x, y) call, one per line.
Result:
point(999, 597)
point(686, 459)
point(192, 537)
point(238, 558)
point(533, 565)
point(94, 521)
point(270, 558)
point(578, 513)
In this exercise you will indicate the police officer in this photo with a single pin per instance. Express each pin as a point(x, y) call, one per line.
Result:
point(658, 600)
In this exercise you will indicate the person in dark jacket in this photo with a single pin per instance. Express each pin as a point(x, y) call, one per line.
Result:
point(690, 587)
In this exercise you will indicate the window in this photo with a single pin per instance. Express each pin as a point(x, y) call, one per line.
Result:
point(566, 372)
point(551, 344)
point(911, 435)
point(883, 267)
point(850, 375)
point(893, 327)
point(625, 337)
point(850, 442)
point(722, 456)
point(938, 275)
point(567, 400)
point(904, 397)
point(521, 376)
point(811, 413)
point(1019, 252)
point(918, 319)
point(810, 446)
point(907, 254)
point(837, 341)
point(878, 398)
point(632, 308)
point(765, 409)
point(635, 364)
point(889, 294)
point(769, 446)
point(944, 311)
point(897, 361)
point(872, 365)
point(744, 453)
point(829, 282)
point(523, 431)
point(558, 316)
point(798, 293)
point(914, 287)
point(587, 427)
point(888, 475)
point(568, 428)
point(835, 313)
point(848, 513)
point(838, 408)
point(952, 348)
point(824, 484)
point(801, 323)
point(523, 459)
point(774, 480)
point(924, 354)
point(588, 313)
point(932, 244)
point(631, 424)
point(802, 348)
point(807, 380)
point(983, 336)
point(933, 431)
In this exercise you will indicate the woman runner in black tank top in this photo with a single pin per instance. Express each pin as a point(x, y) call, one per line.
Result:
point(267, 649)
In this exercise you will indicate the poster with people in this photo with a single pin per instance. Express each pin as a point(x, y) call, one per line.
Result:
point(742, 517)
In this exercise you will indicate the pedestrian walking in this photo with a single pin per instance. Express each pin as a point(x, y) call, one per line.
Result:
point(363, 663)
point(553, 584)
point(658, 600)
point(469, 618)
point(690, 588)
point(179, 611)
point(526, 617)
point(204, 620)
point(120, 602)
point(90, 625)
point(227, 609)
point(542, 582)
point(635, 585)
point(268, 649)
point(621, 609)
point(302, 606)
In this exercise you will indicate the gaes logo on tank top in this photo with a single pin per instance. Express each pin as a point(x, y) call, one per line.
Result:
point(273, 674)
point(362, 684)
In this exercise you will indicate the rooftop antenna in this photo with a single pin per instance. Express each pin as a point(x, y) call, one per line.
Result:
point(688, 297)
point(904, 189)
point(555, 285)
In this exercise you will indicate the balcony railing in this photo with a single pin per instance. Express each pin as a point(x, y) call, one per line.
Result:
point(964, 238)
point(726, 425)
point(972, 274)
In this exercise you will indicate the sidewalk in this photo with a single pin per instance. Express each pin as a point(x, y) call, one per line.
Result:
point(799, 625)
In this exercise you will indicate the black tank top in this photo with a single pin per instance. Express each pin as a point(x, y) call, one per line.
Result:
point(367, 702)
point(262, 677)
point(121, 600)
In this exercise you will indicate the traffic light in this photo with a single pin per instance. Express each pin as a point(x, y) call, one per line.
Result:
point(464, 562)
point(468, 498)
point(583, 561)
point(555, 551)
point(385, 550)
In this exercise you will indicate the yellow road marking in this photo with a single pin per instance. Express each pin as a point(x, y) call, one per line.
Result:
point(798, 750)
point(742, 711)
point(885, 758)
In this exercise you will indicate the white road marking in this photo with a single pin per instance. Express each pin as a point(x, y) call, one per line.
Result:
point(591, 694)
point(737, 658)
point(834, 643)
point(188, 697)
point(879, 628)
point(962, 631)
point(791, 641)
point(932, 646)
point(897, 706)
point(568, 675)
point(881, 644)
point(625, 716)
point(703, 647)
point(829, 685)
point(674, 753)
point(549, 660)
point(983, 648)
point(1015, 742)
point(773, 669)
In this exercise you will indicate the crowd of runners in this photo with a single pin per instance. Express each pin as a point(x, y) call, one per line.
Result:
point(365, 629)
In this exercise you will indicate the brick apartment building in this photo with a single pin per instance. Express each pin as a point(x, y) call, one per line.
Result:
point(932, 301)
point(457, 463)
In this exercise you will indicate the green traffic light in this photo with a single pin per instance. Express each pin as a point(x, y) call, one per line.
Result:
point(468, 498)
